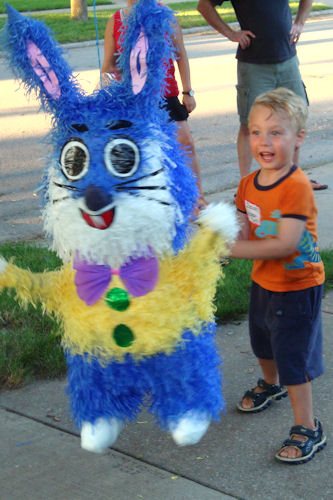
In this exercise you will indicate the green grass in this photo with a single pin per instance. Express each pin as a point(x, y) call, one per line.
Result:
point(233, 292)
point(189, 17)
point(68, 31)
point(327, 256)
point(30, 341)
point(31, 5)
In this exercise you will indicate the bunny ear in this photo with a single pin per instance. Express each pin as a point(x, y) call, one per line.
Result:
point(37, 60)
point(138, 63)
point(147, 48)
point(42, 68)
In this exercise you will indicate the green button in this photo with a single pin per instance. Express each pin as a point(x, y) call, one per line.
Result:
point(123, 336)
point(117, 299)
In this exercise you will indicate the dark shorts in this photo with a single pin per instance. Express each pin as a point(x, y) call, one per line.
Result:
point(286, 327)
point(176, 110)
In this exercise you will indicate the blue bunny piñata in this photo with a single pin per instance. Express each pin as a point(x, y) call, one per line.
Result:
point(135, 292)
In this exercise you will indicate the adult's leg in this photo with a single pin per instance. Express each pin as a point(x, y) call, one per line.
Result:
point(244, 150)
point(185, 137)
point(252, 80)
point(290, 77)
point(296, 157)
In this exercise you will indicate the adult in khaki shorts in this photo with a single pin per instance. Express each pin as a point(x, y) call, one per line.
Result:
point(266, 56)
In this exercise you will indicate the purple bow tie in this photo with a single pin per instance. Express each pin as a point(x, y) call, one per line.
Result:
point(138, 275)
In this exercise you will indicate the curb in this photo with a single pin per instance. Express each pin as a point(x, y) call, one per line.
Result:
point(187, 31)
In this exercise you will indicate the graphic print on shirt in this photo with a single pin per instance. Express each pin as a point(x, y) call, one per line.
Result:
point(307, 247)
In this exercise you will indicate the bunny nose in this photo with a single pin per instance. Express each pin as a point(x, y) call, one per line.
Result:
point(96, 198)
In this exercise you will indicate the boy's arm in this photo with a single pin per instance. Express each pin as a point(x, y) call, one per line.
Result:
point(244, 225)
point(183, 67)
point(109, 62)
point(289, 235)
point(209, 12)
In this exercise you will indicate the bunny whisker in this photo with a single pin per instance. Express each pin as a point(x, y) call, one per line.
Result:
point(65, 186)
point(151, 199)
point(135, 188)
point(61, 199)
point(142, 177)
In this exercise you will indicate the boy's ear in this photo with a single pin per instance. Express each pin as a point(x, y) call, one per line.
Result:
point(300, 137)
point(37, 60)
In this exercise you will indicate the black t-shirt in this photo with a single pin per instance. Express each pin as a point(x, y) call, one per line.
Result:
point(270, 21)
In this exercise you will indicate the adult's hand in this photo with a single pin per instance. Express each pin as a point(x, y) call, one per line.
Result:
point(295, 33)
point(189, 102)
point(243, 37)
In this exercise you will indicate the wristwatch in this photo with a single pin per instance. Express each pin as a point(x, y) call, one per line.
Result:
point(188, 92)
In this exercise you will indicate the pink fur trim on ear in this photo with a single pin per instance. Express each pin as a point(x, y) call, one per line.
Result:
point(138, 63)
point(42, 68)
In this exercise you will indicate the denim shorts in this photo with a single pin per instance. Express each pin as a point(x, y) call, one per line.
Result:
point(286, 327)
point(255, 79)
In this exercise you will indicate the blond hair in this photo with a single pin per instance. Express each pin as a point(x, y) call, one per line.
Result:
point(285, 100)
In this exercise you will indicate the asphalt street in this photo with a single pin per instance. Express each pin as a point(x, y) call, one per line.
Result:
point(214, 122)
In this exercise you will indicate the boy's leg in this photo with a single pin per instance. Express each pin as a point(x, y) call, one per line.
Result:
point(259, 339)
point(270, 375)
point(301, 401)
point(297, 343)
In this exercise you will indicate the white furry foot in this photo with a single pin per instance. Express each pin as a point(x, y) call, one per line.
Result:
point(189, 429)
point(3, 264)
point(99, 436)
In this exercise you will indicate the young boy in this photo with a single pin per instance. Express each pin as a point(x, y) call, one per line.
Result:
point(277, 213)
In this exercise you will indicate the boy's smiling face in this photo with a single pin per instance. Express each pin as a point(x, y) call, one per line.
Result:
point(273, 139)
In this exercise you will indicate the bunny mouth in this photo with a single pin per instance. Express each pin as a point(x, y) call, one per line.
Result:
point(100, 221)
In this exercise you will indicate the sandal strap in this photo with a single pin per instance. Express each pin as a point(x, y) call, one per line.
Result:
point(269, 388)
point(254, 395)
point(304, 431)
point(294, 442)
point(257, 397)
point(305, 447)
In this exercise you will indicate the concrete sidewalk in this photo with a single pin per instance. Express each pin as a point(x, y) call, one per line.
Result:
point(41, 457)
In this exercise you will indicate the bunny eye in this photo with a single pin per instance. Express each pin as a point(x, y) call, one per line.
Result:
point(121, 157)
point(74, 159)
